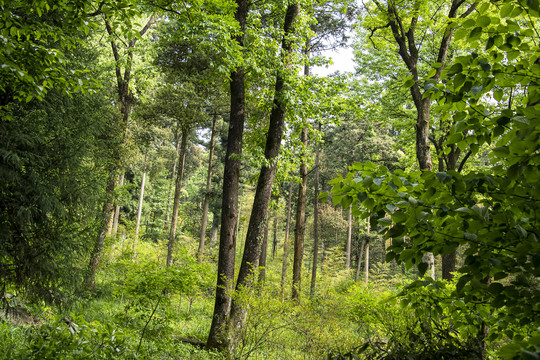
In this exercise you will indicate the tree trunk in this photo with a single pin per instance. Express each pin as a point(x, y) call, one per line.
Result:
point(177, 192)
point(315, 223)
point(264, 189)
point(366, 263)
point(214, 231)
point(117, 208)
point(300, 228)
point(139, 210)
point(90, 280)
point(323, 251)
point(448, 261)
point(217, 337)
point(349, 239)
point(200, 252)
point(264, 254)
point(111, 221)
point(286, 242)
point(359, 265)
point(171, 186)
point(275, 240)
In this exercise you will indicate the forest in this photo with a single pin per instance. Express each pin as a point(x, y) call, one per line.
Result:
point(195, 180)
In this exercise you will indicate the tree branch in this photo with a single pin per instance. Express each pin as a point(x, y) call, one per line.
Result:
point(469, 153)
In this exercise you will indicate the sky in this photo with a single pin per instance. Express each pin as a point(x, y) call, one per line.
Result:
point(342, 60)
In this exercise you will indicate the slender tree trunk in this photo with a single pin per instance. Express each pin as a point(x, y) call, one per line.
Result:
point(323, 251)
point(366, 263)
point(315, 223)
point(200, 252)
point(214, 231)
point(171, 186)
point(349, 238)
point(90, 280)
point(264, 189)
point(177, 192)
point(264, 254)
point(286, 242)
point(139, 210)
point(359, 265)
point(117, 208)
point(448, 261)
point(275, 240)
point(300, 228)
point(111, 220)
point(217, 337)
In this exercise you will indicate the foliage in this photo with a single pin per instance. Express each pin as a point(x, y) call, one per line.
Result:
point(492, 214)
point(34, 36)
point(66, 339)
point(53, 165)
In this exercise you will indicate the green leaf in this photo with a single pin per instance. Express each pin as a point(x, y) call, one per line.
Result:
point(444, 177)
point(521, 119)
point(475, 90)
point(498, 94)
point(506, 10)
point(483, 21)
point(409, 82)
point(475, 34)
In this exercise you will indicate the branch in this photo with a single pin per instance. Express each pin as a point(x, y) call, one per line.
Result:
point(116, 54)
point(464, 160)
point(447, 37)
point(143, 31)
point(98, 11)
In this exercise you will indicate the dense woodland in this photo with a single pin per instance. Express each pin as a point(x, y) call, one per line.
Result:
point(178, 181)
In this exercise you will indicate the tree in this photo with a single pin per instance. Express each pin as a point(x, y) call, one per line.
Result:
point(404, 20)
point(490, 212)
point(217, 337)
point(265, 182)
point(200, 252)
point(126, 99)
point(300, 227)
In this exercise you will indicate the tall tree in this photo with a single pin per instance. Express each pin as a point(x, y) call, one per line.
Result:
point(217, 337)
point(286, 240)
point(123, 62)
point(265, 182)
point(200, 252)
point(404, 19)
point(300, 228)
point(315, 222)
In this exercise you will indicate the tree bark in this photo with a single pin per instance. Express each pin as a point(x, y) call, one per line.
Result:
point(200, 252)
point(177, 193)
point(264, 188)
point(139, 210)
point(217, 337)
point(286, 242)
point(300, 228)
point(315, 223)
